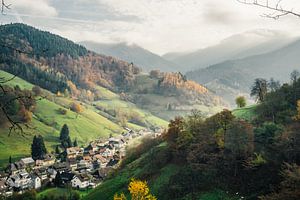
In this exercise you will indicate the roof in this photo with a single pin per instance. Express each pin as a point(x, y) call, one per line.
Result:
point(27, 161)
point(67, 176)
point(83, 177)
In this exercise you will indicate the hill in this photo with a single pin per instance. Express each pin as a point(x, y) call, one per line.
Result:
point(141, 57)
point(250, 153)
point(235, 47)
point(109, 90)
point(81, 74)
point(231, 78)
point(47, 121)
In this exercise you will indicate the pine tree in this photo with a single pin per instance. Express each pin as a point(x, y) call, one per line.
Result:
point(10, 160)
point(64, 133)
point(58, 180)
point(57, 150)
point(75, 143)
point(38, 148)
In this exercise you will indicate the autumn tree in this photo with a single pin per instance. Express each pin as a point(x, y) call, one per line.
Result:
point(297, 117)
point(240, 102)
point(76, 107)
point(138, 190)
point(259, 89)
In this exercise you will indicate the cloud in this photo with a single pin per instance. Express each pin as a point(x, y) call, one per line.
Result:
point(158, 25)
point(34, 7)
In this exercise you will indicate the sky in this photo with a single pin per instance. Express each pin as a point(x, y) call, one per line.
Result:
point(160, 26)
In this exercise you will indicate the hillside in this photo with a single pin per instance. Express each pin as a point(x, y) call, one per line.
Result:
point(92, 123)
point(249, 153)
point(112, 93)
point(81, 74)
point(235, 47)
point(143, 58)
point(234, 77)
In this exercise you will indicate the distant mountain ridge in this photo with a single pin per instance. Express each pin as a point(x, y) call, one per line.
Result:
point(233, 77)
point(132, 53)
point(235, 47)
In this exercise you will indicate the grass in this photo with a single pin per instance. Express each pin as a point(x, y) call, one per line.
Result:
point(59, 192)
point(119, 182)
point(47, 121)
point(247, 113)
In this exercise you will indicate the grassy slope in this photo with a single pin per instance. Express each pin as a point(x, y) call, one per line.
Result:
point(48, 122)
point(157, 181)
point(119, 182)
point(247, 113)
point(157, 104)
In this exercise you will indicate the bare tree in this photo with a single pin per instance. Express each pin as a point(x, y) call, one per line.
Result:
point(276, 8)
point(4, 6)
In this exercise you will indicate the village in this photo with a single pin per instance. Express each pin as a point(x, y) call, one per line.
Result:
point(82, 168)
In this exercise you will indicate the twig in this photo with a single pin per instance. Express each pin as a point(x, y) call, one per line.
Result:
point(277, 9)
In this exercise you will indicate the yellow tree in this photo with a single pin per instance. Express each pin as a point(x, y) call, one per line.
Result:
point(138, 190)
point(297, 117)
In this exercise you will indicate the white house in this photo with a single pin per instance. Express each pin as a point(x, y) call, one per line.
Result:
point(36, 182)
point(80, 181)
point(21, 180)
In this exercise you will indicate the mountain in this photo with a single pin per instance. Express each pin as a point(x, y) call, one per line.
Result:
point(235, 47)
point(133, 54)
point(230, 78)
point(112, 93)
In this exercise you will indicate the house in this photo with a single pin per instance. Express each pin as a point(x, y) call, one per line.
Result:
point(81, 181)
point(74, 152)
point(42, 173)
point(100, 160)
point(36, 182)
point(118, 143)
point(92, 147)
point(28, 162)
point(14, 168)
point(100, 174)
point(20, 181)
point(72, 164)
point(3, 187)
point(113, 162)
point(49, 160)
point(67, 177)
point(52, 173)
point(60, 167)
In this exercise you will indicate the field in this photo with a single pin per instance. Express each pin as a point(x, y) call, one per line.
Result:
point(47, 121)
point(247, 113)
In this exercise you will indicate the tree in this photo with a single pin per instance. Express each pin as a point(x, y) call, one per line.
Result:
point(240, 102)
point(259, 89)
point(58, 180)
point(276, 8)
point(273, 85)
point(57, 150)
point(10, 160)
point(38, 148)
point(297, 117)
point(239, 143)
point(75, 143)
point(76, 107)
point(65, 137)
point(295, 75)
point(37, 90)
point(138, 190)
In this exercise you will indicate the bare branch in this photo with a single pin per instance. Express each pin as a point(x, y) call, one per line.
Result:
point(4, 6)
point(277, 10)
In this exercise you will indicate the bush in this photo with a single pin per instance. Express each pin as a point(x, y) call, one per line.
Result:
point(62, 111)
